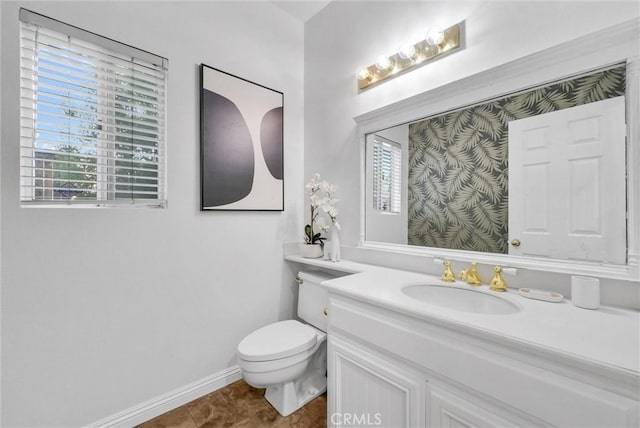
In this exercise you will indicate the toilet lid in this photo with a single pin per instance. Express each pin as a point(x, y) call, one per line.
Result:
point(277, 340)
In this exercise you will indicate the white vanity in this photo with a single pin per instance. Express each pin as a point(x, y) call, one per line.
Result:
point(395, 360)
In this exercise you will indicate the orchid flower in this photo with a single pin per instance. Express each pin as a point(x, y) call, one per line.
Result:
point(321, 196)
point(322, 225)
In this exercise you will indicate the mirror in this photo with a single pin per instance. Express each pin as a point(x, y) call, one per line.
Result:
point(538, 172)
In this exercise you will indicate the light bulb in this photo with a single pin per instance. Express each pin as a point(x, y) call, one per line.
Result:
point(407, 51)
point(435, 36)
point(383, 63)
point(363, 73)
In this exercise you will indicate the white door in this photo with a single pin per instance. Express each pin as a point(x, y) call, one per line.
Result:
point(567, 185)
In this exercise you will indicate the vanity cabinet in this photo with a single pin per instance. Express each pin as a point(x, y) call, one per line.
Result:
point(449, 409)
point(369, 389)
point(393, 370)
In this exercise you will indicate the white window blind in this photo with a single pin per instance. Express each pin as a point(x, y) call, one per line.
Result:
point(92, 118)
point(386, 175)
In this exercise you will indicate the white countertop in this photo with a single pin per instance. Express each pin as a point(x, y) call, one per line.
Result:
point(607, 336)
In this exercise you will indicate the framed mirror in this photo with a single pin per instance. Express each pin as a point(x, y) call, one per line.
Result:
point(538, 174)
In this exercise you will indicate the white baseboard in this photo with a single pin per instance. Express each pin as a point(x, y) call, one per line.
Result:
point(171, 400)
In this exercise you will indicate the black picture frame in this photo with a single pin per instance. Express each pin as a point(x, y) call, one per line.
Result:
point(241, 144)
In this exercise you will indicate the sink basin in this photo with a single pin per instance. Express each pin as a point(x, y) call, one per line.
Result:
point(461, 299)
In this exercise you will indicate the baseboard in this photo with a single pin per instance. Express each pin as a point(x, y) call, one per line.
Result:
point(171, 400)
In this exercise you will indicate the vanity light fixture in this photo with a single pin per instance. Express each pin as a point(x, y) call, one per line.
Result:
point(437, 43)
point(408, 51)
point(435, 36)
point(363, 73)
point(384, 63)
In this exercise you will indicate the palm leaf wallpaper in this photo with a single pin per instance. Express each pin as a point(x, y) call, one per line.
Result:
point(458, 172)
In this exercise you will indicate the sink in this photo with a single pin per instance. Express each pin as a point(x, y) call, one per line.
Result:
point(461, 299)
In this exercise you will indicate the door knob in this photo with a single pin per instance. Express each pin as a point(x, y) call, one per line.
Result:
point(515, 242)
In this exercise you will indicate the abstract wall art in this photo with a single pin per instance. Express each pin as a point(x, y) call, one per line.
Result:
point(241, 144)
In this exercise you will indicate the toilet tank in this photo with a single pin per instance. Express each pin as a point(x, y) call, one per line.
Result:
point(313, 298)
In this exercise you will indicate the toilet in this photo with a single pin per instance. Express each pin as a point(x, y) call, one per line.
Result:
point(289, 358)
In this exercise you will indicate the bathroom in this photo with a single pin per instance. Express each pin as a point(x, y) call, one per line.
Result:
point(113, 316)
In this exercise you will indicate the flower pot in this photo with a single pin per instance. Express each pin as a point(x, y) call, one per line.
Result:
point(311, 251)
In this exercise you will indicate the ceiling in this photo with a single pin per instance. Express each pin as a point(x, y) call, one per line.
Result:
point(302, 10)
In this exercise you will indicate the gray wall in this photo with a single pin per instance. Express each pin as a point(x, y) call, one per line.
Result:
point(103, 309)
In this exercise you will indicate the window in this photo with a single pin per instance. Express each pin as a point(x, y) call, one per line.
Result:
point(386, 175)
point(92, 118)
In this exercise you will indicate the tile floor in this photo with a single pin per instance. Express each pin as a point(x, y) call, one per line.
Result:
point(239, 405)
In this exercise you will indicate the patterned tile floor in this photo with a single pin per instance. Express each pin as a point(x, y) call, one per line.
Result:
point(239, 405)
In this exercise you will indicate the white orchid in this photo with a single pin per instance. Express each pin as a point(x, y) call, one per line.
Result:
point(322, 225)
point(314, 185)
point(328, 188)
point(327, 203)
point(315, 200)
point(328, 206)
point(320, 194)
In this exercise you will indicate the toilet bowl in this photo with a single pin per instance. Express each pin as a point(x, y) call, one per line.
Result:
point(289, 358)
point(292, 367)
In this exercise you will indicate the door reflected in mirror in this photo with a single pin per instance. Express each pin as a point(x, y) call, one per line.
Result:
point(459, 180)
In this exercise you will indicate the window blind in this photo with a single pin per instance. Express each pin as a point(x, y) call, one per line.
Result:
point(386, 175)
point(92, 118)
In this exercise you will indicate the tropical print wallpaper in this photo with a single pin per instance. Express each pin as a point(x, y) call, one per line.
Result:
point(458, 172)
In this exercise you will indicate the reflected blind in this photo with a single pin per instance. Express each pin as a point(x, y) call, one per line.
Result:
point(92, 118)
point(386, 175)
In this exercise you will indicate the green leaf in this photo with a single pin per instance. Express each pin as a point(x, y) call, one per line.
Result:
point(553, 100)
point(457, 122)
point(483, 118)
point(513, 109)
point(599, 86)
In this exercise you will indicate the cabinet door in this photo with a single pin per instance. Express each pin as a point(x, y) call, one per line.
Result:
point(446, 409)
point(366, 389)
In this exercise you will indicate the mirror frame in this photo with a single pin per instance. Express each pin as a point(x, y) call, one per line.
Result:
point(614, 45)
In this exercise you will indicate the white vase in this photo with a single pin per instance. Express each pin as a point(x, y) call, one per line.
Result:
point(311, 251)
point(332, 246)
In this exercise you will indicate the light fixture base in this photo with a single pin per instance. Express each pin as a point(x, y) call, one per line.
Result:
point(425, 53)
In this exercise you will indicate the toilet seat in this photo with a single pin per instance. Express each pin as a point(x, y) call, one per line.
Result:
point(279, 364)
point(277, 341)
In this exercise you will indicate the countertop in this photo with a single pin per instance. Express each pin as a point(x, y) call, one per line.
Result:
point(607, 336)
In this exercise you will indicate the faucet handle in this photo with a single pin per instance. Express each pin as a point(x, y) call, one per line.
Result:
point(497, 283)
point(447, 273)
point(510, 271)
point(471, 275)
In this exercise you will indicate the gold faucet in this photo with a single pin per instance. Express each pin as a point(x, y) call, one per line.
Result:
point(471, 275)
point(447, 273)
point(497, 283)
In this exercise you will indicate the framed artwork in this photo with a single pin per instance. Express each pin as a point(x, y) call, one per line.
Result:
point(241, 144)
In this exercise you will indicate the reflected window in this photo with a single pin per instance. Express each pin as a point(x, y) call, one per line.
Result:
point(386, 175)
